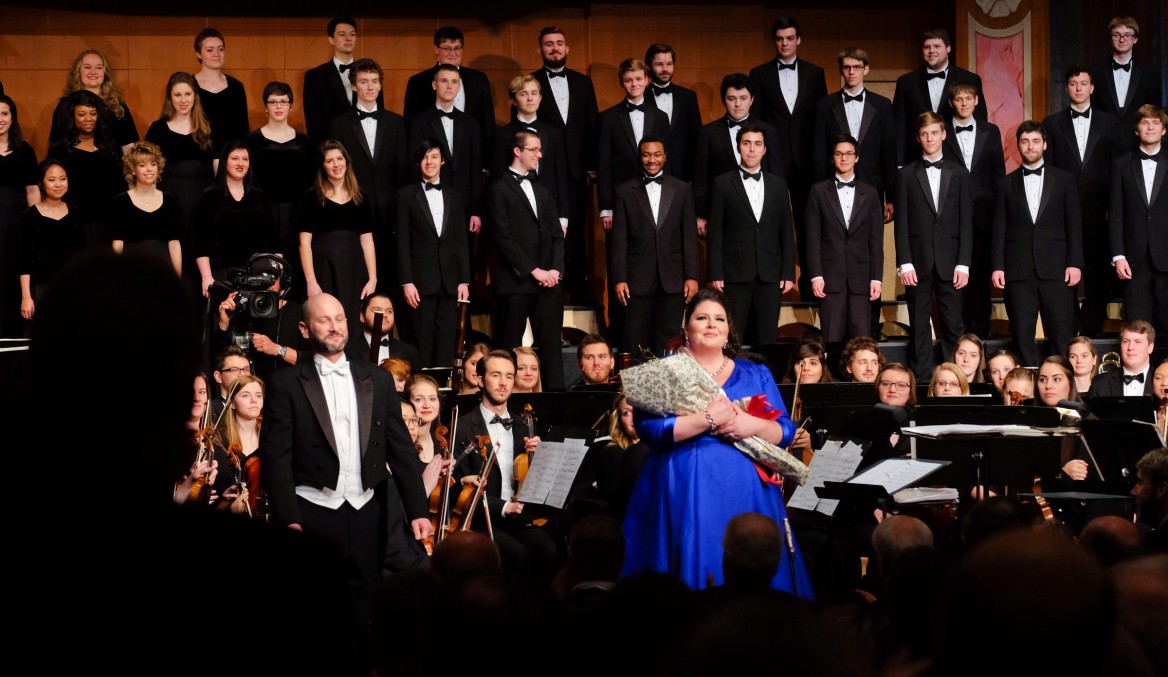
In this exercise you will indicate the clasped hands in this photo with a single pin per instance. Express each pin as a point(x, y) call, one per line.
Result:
point(726, 421)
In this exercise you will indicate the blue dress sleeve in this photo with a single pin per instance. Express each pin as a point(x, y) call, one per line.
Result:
point(767, 387)
point(655, 431)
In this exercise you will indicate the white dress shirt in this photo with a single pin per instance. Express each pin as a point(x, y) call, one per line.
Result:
point(1033, 187)
point(1082, 128)
point(525, 185)
point(637, 119)
point(653, 191)
point(345, 81)
point(504, 450)
point(1149, 167)
point(1136, 388)
point(934, 176)
point(340, 395)
point(1122, 79)
point(369, 126)
point(847, 197)
point(755, 192)
point(966, 140)
point(789, 83)
point(937, 86)
point(447, 129)
point(560, 92)
point(854, 111)
point(663, 97)
point(437, 208)
point(734, 138)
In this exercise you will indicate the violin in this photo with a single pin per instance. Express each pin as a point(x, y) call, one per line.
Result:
point(470, 496)
point(233, 453)
point(440, 497)
point(1016, 398)
point(523, 461)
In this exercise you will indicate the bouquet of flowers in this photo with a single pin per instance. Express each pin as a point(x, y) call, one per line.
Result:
point(678, 385)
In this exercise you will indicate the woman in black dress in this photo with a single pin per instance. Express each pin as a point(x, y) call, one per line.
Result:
point(224, 99)
point(51, 234)
point(233, 219)
point(283, 162)
point(92, 72)
point(143, 220)
point(336, 233)
point(18, 191)
point(92, 159)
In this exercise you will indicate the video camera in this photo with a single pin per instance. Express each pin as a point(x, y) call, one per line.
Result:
point(252, 283)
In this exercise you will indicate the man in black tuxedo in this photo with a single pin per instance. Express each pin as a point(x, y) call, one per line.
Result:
point(527, 98)
point(717, 145)
point(786, 91)
point(433, 260)
point(1137, 340)
point(977, 145)
point(621, 130)
point(332, 432)
point(654, 251)
point(1037, 250)
point(1123, 84)
point(751, 247)
point(524, 547)
point(926, 89)
point(569, 104)
point(327, 90)
point(679, 104)
point(457, 134)
point(1138, 225)
point(530, 244)
point(845, 246)
point(934, 242)
point(1084, 141)
point(474, 97)
point(358, 348)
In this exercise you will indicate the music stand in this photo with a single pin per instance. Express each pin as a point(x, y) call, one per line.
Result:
point(831, 404)
point(876, 424)
point(1118, 446)
point(1124, 408)
point(959, 401)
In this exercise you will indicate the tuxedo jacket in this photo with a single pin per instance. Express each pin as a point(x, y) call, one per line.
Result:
point(741, 248)
point(911, 98)
point(298, 444)
point(684, 126)
point(357, 349)
point(715, 157)
point(1110, 383)
point(987, 172)
point(1042, 249)
point(479, 104)
point(877, 163)
point(553, 167)
point(1139, 227)
point(433, 263)
point(524, 239)
point(619, 158)
point(645, 252)
point(928, 237)
point(1142, 87)
point(847, 256)
point(796, 127)
point(463, 169)
point(383, 170)
point(325, 97)
point(1092, 171)
point(470, 426)
point(582, 128)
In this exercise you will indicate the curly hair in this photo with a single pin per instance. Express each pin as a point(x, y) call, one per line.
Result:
point(103, 137)
point(136, 151)
point(110, 93)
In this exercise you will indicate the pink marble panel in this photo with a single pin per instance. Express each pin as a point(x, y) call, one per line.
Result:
point(1001, 64)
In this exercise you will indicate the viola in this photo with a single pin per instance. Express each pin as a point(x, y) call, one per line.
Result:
point(523, 461)
point(471, 496)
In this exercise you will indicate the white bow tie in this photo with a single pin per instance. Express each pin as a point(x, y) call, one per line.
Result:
point(339, 368)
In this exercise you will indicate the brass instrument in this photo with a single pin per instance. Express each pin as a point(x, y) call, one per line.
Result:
point(1108, 359)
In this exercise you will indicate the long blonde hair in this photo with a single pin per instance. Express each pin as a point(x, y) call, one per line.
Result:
point(615, 429)
point(230, 426)
point(109, 87)
point(324, 187)
point(200, 126)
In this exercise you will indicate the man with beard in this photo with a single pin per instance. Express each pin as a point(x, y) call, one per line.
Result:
point(331, 425)
point(523, 545)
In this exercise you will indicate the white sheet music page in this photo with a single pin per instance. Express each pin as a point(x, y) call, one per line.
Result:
point(895, 474)
point(835, 462)
point(552, 472)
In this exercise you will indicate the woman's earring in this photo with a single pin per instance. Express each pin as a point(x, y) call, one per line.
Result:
point(726, 344)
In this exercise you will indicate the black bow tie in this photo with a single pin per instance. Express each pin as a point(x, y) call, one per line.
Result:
point(732, 123)
point(444, 114)
point(935, 76)
point(1153, 158)
point(967, 128)
point(845, 184)
point(653, 179)
point(553, 74)
point(788, 66)
point(630, 107)
point(859, 97)
point(1128, 378)
point(935, 165)
point(385, 342)
point(433, 186)
point(361, 115)
point(505, 422)
point(1116, 66)
point(658, 90)
point(1080, 114)
point(345, 67)
point(757, 176)
point(529, 176)
point(1035, 172)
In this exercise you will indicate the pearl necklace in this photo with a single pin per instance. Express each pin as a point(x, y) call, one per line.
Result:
point(725, 362)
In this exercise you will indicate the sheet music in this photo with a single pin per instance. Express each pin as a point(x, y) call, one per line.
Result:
point(895, 474)
point(835, 462)
point(552, 472)
point(962, 429)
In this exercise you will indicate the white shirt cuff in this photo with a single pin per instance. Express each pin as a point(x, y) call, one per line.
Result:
point(817, 277)
point(563, 223)
point(879, 282)
point(905, 268)
point(961, 269)
point(605, 212)
point(1121, 257)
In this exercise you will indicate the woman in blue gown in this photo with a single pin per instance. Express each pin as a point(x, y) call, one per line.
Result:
point(694, 480)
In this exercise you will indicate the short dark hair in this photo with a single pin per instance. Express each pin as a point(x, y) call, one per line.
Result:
point(375, 295)
point(519, 136)
point(752, 548)
point(337, 21)
point(590, 340)
point(14, 134)
point(207, 33)
point(232, 350)
point(1077, 70)
point(425, 146)
point(851, 53)
point(278, 88)
point(1155, 465)
point(783, 23)
point(551, 30)
point(448, 33)
point(366, 66)
point(749, 128)
point(659, 48)
point(481, 365)
point(650, 138)
point(845, 138)
point(936, 34)
point(444, 67)
point(1030, 126)
point(733, 341)
point(737, 81)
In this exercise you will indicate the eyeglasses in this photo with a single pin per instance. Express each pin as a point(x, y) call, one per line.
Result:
point(450, 50)
point(232, 370)
point(858, 67)
point(279, 103)
point(1122, 36)
point(415, 422)
point(948, 384)
point(844, 154)
point(536, 149)
point(894, 385)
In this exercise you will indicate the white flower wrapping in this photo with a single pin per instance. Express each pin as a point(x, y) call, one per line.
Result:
point(678, 385)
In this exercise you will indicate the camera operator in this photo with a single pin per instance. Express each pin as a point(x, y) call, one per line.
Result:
point(271, 342)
